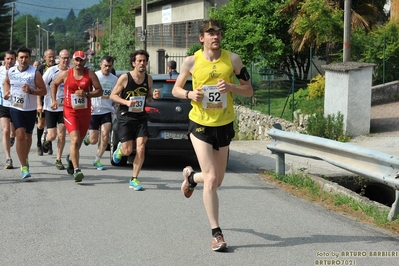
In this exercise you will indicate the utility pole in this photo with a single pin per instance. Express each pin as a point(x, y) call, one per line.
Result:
point(347, 30)
point(26, 31)
point(96, 35)
point(144, 28)
point(110, 27)
point(12, 25)
point(394, 15)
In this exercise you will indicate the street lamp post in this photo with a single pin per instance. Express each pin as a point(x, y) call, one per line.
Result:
point(40, 54)
point(47, 32)
point(46, 38)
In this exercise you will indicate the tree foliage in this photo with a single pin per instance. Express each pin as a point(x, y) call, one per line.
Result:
point(380, 47)
point(121, 46)
point(251, 29)
point(5, 23)
point(122, 39)
point(315, 24)
point(26, 31)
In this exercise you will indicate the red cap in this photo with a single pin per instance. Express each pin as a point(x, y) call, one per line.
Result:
point(79, 54)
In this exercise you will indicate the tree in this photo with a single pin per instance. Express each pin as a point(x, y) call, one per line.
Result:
point(122, 40)
point(381, 46)
point(26, 26)
point(70, 21)
point(5, 23)
point(259, 34)
point(251, 30)
point(319, 23)
point(121, 46)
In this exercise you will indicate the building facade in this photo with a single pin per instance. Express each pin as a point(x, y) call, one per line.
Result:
point(171, 27)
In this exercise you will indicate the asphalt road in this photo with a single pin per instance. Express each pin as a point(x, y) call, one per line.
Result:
point(51, 220)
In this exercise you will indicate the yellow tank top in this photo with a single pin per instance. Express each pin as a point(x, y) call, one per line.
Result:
point(216, 109)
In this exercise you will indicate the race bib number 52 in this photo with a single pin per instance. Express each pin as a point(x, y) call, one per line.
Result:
point(213, 99)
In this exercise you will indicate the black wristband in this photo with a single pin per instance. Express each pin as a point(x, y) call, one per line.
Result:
point(87, 94)
point(187, 94)
point(30, 91)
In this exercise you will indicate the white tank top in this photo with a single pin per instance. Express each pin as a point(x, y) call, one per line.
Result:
point(21, 100)
point(48, 77)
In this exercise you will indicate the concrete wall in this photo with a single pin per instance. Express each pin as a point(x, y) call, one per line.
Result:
point(385, 93)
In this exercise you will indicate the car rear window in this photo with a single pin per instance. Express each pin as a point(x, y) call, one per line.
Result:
point(167, 86)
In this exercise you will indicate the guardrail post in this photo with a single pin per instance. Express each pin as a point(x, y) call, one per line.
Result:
point(394, 208)
point(280, 163)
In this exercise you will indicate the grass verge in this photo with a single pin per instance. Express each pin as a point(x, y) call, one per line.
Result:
point(305, 187)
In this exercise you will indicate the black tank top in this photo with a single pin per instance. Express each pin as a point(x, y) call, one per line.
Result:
point(133, 89)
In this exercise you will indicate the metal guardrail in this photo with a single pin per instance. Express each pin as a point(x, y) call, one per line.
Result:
point(378, 166)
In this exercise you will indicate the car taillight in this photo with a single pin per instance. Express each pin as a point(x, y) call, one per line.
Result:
point(149, 109)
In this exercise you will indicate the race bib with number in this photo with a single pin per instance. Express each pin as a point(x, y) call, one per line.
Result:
point(138, 107)
point(60, 96)
point(78, 102)
point(106, 94)
point(213, 99)
point(60, 102)
point(19, 100)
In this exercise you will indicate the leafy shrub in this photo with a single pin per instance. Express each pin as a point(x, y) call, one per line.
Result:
point(193, 48)
point(299, 96)
point(330, 127)
point(316, 87)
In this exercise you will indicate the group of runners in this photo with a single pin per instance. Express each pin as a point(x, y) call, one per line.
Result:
point(76, 98)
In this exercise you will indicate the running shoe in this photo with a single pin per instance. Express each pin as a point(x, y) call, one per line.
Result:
point(50, 149)
point(39, 150)
point(59, 165)
point(46, 146)
point(117, 155)
point(78, 175)
point(12, 141)
point(135, 184)
point(186, 188)
point(97, 164)
point(9, 164)
point(25, 172)
point(218, 243)
point(86, 139)
point(70, 166)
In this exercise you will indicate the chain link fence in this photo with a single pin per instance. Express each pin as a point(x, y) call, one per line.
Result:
point(273, 89)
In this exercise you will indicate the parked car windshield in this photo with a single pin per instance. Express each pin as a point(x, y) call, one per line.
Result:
point(166, 87)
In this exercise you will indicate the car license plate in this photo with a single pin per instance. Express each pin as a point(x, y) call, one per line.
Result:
point(174, 135)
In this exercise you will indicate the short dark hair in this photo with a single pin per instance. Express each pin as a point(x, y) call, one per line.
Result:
point(107, 58)
point(24, 49)
point(11, 52)
point(138, 52)
point(172, 64)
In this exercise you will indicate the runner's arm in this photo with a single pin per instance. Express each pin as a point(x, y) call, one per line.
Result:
point(97, 88)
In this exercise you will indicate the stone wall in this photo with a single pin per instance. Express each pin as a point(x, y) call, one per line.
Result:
point(253, 125)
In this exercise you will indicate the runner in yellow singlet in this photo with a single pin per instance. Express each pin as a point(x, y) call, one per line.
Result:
point(211, 118)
